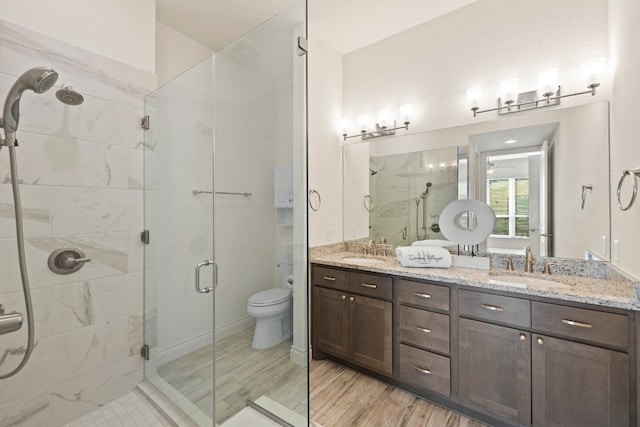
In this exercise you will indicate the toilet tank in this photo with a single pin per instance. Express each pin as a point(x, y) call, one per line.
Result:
point(286, 269)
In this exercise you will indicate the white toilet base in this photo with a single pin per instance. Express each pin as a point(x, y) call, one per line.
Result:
point(273, 325)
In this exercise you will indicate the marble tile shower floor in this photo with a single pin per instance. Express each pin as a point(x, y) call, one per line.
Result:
point(242, 373)
point(132, 409)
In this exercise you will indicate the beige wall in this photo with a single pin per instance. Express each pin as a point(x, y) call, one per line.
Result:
point(325, 148)
point(123, 30)
point(176, 53)
point(625, 128)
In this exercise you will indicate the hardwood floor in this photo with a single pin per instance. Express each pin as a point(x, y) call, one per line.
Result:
point(241, 373)
point(341, 397)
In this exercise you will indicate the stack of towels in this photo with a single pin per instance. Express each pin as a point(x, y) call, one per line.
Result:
point(423, 256)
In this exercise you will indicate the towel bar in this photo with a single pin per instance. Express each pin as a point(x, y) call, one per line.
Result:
point(634, 173)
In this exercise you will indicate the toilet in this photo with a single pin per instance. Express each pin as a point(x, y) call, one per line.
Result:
point(273, 310)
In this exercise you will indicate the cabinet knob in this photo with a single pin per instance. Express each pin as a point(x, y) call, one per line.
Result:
point(523, 337)
point(352, 299)
point(540, 341)
point(344, 297)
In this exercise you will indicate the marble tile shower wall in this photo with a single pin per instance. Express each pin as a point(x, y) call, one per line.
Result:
point(81, 174)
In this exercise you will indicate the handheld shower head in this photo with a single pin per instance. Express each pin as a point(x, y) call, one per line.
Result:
point(39, 80)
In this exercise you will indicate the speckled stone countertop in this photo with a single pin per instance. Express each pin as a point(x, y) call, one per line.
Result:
point(613, 291)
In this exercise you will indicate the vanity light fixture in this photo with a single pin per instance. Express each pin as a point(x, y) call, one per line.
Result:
point(385, 125)
point(547, 94)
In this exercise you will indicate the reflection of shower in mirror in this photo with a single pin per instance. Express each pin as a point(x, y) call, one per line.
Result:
point(422, 197)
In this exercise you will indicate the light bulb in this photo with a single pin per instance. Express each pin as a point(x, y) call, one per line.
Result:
point(509, 90)
point(384, 118)
point(406, 113)
point(363, 122)
point(548, 82)
point(473, 96)
point(594, 71)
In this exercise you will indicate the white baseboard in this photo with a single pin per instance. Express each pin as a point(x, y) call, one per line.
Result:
point(299, 355)
point(184, 347)
point(194, 343)
point(236, 326)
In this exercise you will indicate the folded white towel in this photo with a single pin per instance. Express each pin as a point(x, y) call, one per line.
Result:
point(423, 256)
point(435, 242)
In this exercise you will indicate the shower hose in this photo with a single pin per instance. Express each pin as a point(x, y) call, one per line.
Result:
point(22, 262)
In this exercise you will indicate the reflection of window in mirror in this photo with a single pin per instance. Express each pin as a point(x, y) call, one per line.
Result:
point(514, 192)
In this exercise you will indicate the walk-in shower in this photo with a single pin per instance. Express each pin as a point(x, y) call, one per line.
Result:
point(38, 80)
point(422, 197)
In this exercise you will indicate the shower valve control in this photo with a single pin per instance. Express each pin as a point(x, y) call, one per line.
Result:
point(67, 260)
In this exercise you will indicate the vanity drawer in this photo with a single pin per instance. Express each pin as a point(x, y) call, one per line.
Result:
point(425, 369)
point(331, 278)
point(582, 324)
point(371, 285)
point(496, 308)
point(424, 329)
point(424, 294)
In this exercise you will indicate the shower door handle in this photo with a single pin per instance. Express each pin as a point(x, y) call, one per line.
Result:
point(215, 276)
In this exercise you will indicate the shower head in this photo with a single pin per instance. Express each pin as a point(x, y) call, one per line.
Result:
point(372, 172)
point(68, 96)
point(39, 80)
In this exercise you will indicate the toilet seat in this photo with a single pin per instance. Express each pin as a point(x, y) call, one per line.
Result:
point(269, 297)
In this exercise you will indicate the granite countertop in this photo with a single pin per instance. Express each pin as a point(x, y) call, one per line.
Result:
point(615, 291)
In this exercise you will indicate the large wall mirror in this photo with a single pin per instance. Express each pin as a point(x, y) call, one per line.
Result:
point(544, 173)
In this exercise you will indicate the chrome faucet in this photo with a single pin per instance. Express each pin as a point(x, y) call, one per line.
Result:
point(371, 248)
point(528, 261)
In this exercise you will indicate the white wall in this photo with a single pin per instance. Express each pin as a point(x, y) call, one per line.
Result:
point(577, 230)
point(625, 127)
point(81, 181)
point(176, 53)
point(325, 152)
point(433, 64)
point(123, 30)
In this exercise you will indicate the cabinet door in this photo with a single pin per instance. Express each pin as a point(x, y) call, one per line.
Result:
point(370, 329)
point(331, 321)
point(579, 385)
point(495, 369)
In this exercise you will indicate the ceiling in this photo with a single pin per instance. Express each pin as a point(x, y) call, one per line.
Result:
point(346, 25)
point(530, 136)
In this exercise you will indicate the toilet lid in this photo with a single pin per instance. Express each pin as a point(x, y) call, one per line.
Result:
point(269, 297)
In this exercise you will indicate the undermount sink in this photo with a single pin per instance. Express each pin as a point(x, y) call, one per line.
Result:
point(362, 260)
point(525, 281)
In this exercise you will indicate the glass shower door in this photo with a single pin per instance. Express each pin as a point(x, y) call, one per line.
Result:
point(217, 136)
point(178, 167)
point(260, 220)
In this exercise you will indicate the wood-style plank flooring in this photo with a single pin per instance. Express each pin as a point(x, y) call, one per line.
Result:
point(341, 397)
point(338, 396)
point(241, 373)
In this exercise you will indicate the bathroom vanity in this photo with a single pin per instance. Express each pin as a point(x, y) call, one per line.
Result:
point(506, 348)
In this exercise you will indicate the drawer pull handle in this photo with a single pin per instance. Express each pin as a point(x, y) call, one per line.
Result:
point(421, 295)
point(425, 330)
point(368, 285)
point(329, 278)
point(492, 307)
point(578, 324)
point(424, 371)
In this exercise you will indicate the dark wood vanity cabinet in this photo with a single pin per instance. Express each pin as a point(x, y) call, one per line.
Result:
point(518, 374)
point(347, 323)
point(579, 385)
point(505, 359)
point(495, 369)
